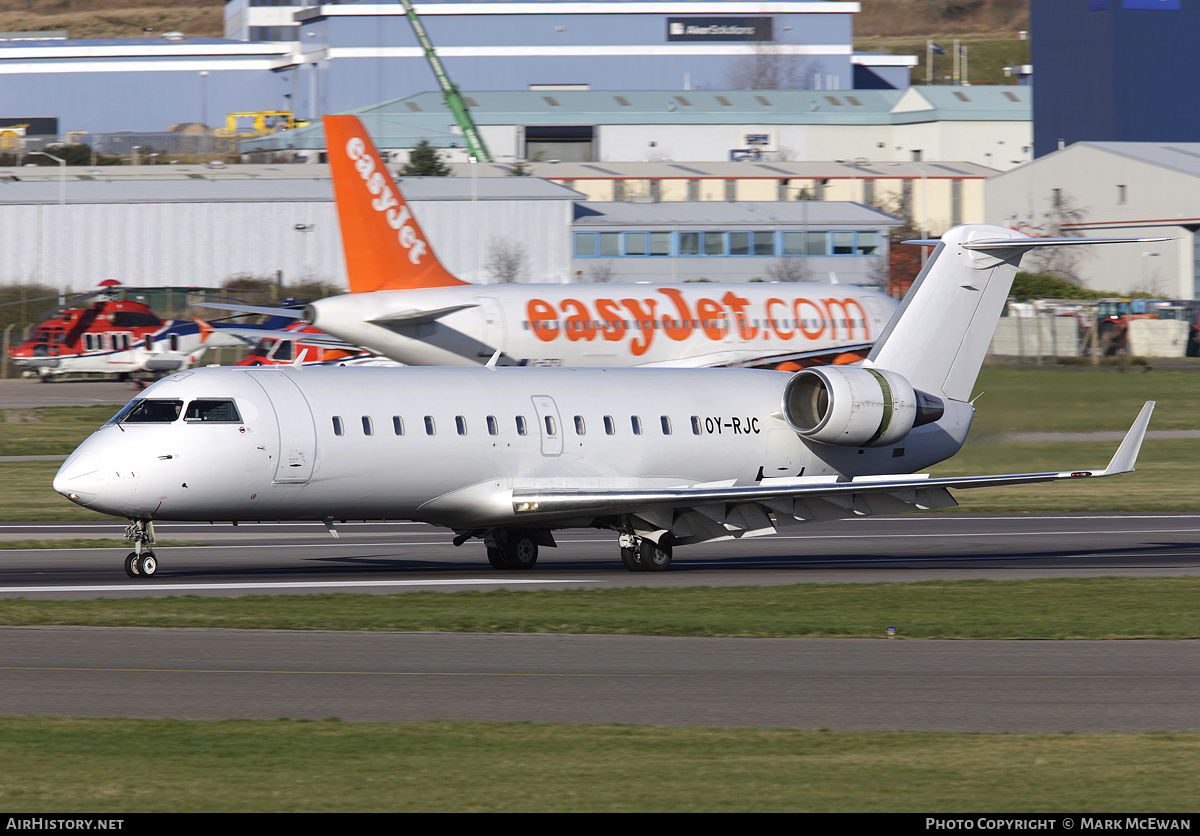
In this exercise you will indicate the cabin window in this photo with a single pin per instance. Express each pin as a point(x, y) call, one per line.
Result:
point(551, 429)
point(145, 411)
point(398, 425)
point(522, 427)
point(338, 427)
point(610, 426)
point(368, 426)
point(430, 427)
point(492, 425)
point(212, 411)
point(580, 429)
point(461, 424)
point(666, 424)
point(695, 425)
point(173, 342)
point(636, 420)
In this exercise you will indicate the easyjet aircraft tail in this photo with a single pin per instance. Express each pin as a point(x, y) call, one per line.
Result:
point(384, 245)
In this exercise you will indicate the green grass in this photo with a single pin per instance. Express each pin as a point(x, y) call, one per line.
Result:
point(52, 431)
point(1058, 608)
point(987, 58)
point(132, 766)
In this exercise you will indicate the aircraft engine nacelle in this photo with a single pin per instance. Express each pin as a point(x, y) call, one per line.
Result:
point(855, 407)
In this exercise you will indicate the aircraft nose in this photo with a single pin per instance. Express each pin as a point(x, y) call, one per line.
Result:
point(81, 479)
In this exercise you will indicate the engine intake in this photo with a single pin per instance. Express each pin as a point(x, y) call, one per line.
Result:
point(855, 407)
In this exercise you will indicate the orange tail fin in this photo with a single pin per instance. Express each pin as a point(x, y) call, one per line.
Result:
point(384, 246)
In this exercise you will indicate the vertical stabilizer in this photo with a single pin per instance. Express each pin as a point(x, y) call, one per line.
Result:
point(384, 245)
point(939, 337)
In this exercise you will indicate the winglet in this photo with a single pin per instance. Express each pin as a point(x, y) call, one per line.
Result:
point(384, 246)
point(1125, 458)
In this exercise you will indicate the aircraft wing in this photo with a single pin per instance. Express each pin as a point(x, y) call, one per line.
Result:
point(752, 358)
point(702, 512)
point(310, 337)
point(290, 313)
point(418, 317)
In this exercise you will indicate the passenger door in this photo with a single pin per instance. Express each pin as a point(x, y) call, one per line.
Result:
point(297, 433)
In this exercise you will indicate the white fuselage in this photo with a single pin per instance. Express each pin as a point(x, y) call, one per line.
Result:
point(600, 325)
point(447, 445)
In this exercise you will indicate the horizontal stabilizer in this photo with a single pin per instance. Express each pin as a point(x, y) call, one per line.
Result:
point(418, 317)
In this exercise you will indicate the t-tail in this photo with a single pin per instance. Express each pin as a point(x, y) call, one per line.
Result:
point(939, 336)
point(384, 245)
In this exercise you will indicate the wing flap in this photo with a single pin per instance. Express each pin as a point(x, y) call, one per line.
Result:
point(711, 511)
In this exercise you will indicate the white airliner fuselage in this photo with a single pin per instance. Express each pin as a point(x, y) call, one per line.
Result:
point(311, 443)
point(608, 325)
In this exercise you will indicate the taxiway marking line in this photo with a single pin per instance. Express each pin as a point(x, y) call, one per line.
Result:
point(141, 587)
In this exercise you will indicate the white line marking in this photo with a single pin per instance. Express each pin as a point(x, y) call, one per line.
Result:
point(142, 587)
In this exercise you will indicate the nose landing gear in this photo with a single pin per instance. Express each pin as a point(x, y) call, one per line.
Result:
point(141, 562)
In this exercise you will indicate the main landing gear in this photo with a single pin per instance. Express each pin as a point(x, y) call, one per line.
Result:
point(640, 554)
point(141, 562)
point(511, 549)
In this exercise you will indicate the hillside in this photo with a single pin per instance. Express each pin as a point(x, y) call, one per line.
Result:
point(128, 18)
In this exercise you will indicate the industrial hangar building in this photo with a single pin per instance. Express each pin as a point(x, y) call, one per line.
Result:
point(1113, 189)
point(194, 225)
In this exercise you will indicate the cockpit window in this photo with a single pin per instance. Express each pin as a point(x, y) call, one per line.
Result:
point(146, 411)
point(212, 411)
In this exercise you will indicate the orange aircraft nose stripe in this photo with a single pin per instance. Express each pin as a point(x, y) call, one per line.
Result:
point(384, 246)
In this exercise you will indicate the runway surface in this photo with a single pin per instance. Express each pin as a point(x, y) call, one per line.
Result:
point(854, 684)
point(386, 558)
point(997, 686)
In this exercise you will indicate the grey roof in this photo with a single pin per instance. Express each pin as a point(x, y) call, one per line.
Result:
point(746, 213)
point(273, 190)
point(1180, 156)
point(396, 123)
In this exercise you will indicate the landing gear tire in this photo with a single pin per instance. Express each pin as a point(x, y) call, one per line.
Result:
point(631, 559)
point(521, 551)
point(131, 565)
point(654, 558)
point(147, 565)
point(496, 558)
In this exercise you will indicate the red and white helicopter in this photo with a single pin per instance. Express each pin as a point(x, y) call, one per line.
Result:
point(115, 335)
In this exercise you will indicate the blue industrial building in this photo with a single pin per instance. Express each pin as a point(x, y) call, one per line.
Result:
point(311, 59)
point(1115, 70)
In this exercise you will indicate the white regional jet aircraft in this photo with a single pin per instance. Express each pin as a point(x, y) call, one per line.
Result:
point(405, 306)
point(661, 457)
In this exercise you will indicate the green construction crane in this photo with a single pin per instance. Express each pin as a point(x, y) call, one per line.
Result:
point(454, 100)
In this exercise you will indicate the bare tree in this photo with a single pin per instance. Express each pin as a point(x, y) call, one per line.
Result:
point(507, 261)
point(1062, 221)
point(787, 270)
point(767, 67)
point(601, 271)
